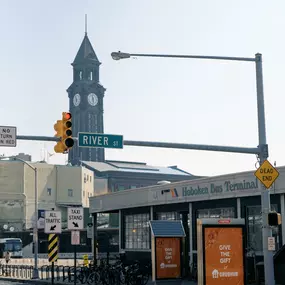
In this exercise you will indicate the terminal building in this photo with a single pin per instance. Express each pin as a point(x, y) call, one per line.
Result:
point(227, 196)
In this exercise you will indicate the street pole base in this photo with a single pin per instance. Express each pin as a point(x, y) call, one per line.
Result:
point(35, 273)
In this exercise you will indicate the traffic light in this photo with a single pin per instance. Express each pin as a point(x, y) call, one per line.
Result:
point(274, 219)
point(64, 132)
point(67, 132)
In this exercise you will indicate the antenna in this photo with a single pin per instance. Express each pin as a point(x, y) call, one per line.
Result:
point(85, 24)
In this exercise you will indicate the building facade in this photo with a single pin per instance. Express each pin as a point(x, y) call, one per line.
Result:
point(58, 187)
point(227, 196)
point(86, 96)
point(116, 176)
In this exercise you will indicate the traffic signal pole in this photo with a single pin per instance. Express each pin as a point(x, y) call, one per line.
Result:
point(232, 149)
point(265, 194)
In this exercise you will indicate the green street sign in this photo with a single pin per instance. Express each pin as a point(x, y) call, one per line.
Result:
point(100, 140)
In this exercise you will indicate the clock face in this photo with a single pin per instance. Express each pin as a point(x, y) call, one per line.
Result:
point(92, 99)
point(76, 99)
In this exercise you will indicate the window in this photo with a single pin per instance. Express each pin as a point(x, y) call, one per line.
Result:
point(121, 187)
point(91, 75)
point(216, 213)
point(49, 191)
point(172, 216)
point(70, 192)
point(80, 75)
point(254, 221)
point(137, 234)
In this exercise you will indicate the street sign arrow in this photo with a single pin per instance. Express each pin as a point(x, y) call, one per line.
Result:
point(52, 228)
point(75, 224)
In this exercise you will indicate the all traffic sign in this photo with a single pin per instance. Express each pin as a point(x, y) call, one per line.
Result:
point(266, 174)
point(52, 222)
point(75, 219)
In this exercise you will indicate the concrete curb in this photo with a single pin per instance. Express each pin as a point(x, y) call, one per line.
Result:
point(35, 281)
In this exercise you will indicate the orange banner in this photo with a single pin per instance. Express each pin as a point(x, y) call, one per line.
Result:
point(168, 258)
point(224, 262)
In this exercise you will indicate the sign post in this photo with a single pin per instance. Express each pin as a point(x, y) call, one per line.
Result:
point(8, 136)
point(52, 252)
point(75, 222)
point(75, 275)
point(100, 140)
point(221, 251)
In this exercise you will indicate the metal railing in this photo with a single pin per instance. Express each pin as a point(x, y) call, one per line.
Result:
point(113, 273)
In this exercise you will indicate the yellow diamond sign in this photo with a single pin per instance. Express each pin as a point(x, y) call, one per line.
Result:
point(266, 174)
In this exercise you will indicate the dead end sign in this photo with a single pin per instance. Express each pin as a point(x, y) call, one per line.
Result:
point(75, 218)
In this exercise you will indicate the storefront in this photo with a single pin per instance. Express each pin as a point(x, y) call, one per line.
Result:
point(228, 196)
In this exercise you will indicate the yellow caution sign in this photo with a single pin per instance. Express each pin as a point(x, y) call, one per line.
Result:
point(52, 248)
point(266, 174)
point(85, 259)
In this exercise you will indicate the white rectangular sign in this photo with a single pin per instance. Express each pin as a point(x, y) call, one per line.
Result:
point(89, 230)
point(8, 136)
point(75, 237)
point(271, 243)
point(52, 222)
point(75, 219)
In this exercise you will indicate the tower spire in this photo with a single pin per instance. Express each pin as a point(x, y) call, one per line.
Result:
point(85, 24)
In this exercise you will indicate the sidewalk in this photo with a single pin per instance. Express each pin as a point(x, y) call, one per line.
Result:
point(48, 282)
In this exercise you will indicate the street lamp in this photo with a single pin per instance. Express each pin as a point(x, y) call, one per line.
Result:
point(35, 227)
point(263, 147)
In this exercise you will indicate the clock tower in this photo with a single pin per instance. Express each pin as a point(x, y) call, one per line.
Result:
point(86, 102)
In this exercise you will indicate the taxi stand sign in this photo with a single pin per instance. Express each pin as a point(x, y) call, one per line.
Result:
point(75, 218)
point(266, 174)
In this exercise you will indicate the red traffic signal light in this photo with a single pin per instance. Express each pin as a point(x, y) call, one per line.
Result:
point(66, 116)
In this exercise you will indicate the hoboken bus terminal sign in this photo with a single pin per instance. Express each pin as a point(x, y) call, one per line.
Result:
point(218, 188)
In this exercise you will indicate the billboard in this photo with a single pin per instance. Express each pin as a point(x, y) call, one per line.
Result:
point(223, 255)
point(168, 258)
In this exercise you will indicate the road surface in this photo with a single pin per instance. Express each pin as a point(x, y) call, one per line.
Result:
point(2, 282)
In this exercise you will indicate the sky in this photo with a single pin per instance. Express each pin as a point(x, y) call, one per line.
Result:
point(149, 99)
